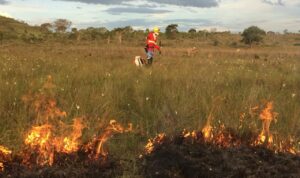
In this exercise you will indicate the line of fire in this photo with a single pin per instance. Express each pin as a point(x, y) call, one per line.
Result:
point(53, 144)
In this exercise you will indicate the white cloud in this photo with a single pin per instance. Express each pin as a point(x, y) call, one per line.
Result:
point(135, 10)
point(5, 14)
point(190, 3)
point(234, 15)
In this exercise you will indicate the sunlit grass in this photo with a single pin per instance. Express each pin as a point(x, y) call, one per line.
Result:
point(102, 83)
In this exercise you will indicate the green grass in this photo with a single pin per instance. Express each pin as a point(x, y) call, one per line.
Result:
point(177, 92)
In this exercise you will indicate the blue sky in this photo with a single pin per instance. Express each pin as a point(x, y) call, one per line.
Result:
point(233, 15)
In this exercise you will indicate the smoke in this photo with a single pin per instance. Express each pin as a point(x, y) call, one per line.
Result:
point(190, 3)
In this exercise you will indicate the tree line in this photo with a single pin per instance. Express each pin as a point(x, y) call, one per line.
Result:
point(61, 29)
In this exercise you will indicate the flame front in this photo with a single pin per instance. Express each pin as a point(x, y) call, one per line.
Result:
point(207, 129)
point(153, 142)
point(50, 134)
point(207, 132)
point(39, 139)
point(71, 144)
point(187, 134)
point(4, 150)
point(4, 153)
point(43, 103)
point(1, 166)
point(267, 116)
point(51, 137)
point(113, 128)
point(39, 136)
point(42, 139)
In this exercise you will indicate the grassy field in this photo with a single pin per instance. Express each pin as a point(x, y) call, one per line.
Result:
point(102, 83)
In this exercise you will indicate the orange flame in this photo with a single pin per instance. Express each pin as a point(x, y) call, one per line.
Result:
point(4, 150)
point(155, 141)
point(187, 134)
point(207, 129)
point(97, 144)
point(265, 137)
point(71, 144)
point(45, 139)
point(113, 127)
point(39, 139)
point(46, 109)
point(267, 116)
point(288, 146)
point(42, 139)
point(51, 136)
point(1, 166)
point(224, 138)
point(43, 103)
point(4, 153)
point(207, 132)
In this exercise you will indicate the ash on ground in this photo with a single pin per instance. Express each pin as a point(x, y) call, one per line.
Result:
point(182, 157)
point(75, 165)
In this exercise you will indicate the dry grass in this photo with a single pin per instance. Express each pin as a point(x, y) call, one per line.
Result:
point(101, 83)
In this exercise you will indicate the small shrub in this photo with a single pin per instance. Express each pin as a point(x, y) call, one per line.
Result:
point(234, 44)
point(216, 43)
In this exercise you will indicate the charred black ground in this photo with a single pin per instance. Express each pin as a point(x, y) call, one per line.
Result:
point(76, 165)
point(178, 156)
point(193, 158)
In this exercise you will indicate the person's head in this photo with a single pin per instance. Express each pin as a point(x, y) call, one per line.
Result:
point(156, 30)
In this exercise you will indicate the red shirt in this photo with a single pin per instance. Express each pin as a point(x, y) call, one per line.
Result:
point(151, 41)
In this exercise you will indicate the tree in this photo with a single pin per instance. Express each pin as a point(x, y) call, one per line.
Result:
point(171, 31)
point(74, 30)
point(147, 31)
point(61, 25)
point(192, 33)
point(75, 35)
point(128, 29)
point(192, 30)
point(123, 33)
point(253, 34)
point(46, 27)
point(118, 33)
point(103, 30)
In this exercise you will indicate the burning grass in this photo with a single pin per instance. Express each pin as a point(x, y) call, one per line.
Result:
point(222, 152)
point(95, 83)
point(48, 156)
point(193, 156)
point(54, 149)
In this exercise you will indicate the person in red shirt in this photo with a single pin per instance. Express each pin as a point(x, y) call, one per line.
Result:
point(152, 44)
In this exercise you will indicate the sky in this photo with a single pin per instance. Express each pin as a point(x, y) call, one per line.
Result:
point(223, 15)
